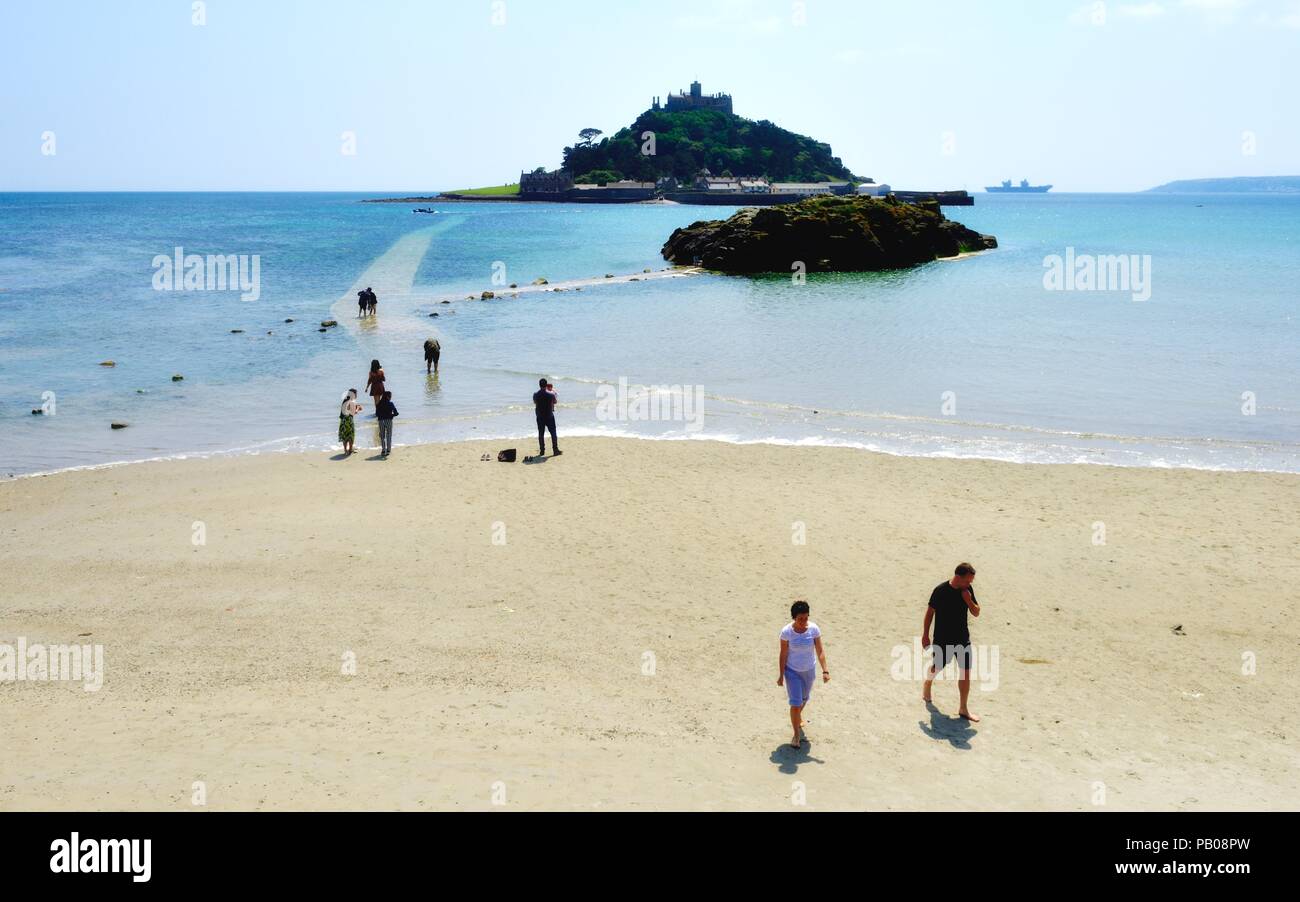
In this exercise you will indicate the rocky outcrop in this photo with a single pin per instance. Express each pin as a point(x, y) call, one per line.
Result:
point(824, 234)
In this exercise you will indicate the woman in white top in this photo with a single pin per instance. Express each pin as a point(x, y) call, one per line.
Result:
point(801, 650)
point(347, 426)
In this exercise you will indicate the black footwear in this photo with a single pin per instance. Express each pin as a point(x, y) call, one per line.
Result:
point(556, 453)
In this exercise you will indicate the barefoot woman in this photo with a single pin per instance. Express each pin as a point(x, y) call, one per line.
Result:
point(801, 650)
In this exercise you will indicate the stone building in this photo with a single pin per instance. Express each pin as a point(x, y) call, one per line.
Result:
point(695, 100)
point(557, 182)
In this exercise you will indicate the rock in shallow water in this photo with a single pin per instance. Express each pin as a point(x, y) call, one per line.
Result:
point(824, 234)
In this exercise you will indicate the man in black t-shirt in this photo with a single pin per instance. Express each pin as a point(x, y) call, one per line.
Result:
point(544, 401)
point(950, 602)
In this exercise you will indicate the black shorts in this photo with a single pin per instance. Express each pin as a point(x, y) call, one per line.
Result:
point(944, 653)
point(430, 354)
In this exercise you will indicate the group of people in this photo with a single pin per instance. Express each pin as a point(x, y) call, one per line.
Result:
point(544, 401)
point(367, 302)
point(950, 603)
point(385, 412)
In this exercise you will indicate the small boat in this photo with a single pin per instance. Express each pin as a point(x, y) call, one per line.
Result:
point(423, 210)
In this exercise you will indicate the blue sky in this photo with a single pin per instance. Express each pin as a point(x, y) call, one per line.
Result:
point(1089, 96)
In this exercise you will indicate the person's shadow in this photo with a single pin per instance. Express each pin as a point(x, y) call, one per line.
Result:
point(788, 760)
point(956, 730)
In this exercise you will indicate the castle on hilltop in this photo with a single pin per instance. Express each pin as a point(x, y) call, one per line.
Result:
point(695, 100)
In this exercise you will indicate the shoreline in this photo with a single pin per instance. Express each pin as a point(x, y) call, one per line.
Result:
point(528, 437)
point(454, 587)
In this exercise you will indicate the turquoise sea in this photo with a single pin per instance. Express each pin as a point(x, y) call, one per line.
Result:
point(965, 358)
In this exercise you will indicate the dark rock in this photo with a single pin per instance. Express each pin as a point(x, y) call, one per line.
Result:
point(178, 378)
point(235, 331)
point(36, 411)
point(329, 323)
point(288, 321)
point(107, 363)
point(826, 234)
point(446, 302)
point(117, 425)
point(487, 295)
point(540, 281)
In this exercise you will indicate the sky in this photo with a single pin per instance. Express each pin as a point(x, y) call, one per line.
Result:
point(422, 95)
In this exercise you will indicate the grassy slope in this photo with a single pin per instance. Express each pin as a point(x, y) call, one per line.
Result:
point(494, 190)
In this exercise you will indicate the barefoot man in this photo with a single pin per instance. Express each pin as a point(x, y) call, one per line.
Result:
point(798, 669)
point(950, 602)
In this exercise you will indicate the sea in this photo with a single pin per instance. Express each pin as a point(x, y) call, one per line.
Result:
point(1181, 353)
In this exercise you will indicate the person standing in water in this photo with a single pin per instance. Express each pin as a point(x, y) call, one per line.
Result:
point(386, 410)
point(372, 299)
point(801, 651)
point(375, 382)
point(544, 401)
point(347, 426)
point(950, 602)
point(363, 303)
point(432, 351)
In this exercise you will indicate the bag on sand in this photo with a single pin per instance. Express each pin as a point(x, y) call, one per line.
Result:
point(507, 456)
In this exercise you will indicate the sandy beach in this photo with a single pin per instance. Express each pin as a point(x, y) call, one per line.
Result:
point(599, 632)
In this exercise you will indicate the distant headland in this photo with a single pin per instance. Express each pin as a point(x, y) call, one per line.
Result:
point(1250, 184)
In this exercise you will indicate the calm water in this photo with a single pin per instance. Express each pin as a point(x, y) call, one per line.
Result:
point(865, 360)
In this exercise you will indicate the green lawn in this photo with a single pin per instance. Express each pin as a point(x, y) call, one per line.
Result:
point(494, 190)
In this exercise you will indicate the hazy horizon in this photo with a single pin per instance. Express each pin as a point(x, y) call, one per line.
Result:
point(1087, 96)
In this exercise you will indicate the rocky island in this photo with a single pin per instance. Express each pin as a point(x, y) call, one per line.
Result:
point(826, 234)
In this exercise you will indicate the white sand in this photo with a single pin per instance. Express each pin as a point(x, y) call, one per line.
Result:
point(520, 666)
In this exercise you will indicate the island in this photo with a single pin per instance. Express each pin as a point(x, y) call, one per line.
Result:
point(825, 234)
point(690, 148)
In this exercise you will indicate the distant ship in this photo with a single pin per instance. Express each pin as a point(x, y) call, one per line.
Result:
point(1023, 188)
